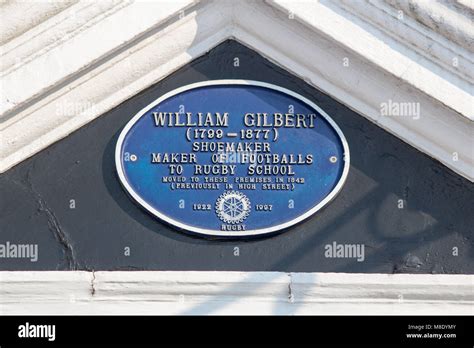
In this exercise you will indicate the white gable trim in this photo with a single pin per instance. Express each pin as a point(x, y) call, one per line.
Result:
point(60, 63)
point(233, 293)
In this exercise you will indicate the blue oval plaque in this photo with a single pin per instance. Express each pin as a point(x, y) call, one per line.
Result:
point(232, 158)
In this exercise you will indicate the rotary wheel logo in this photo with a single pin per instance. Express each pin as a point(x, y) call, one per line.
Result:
point(232, 207)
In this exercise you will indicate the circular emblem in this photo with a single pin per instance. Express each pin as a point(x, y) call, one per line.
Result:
point(232, 207)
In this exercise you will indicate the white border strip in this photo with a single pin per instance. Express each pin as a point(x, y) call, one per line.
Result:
point(305, 215)
point(232, 293)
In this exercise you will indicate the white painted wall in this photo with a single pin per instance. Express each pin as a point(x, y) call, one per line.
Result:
point(232, 293)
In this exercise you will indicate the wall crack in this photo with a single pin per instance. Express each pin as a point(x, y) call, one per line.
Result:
point(291, 297)
point(54, 225)
point(93, 283)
